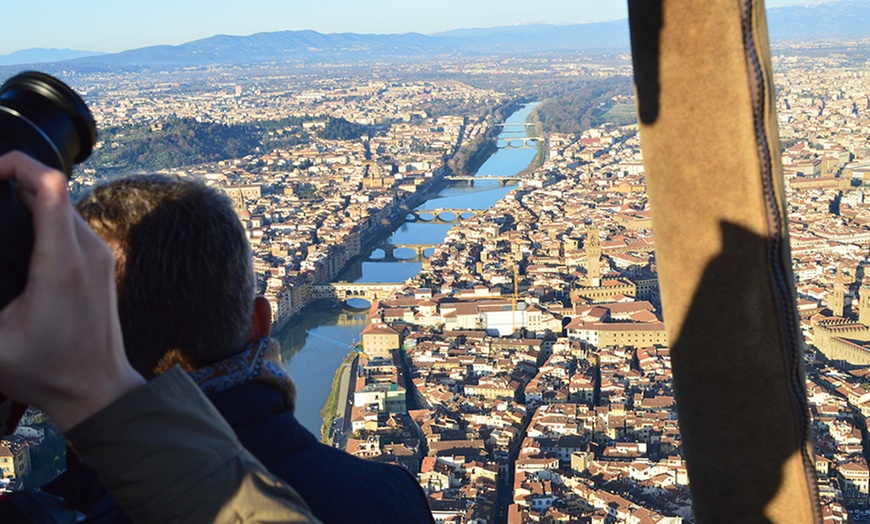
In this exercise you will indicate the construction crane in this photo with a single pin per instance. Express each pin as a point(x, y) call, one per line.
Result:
point(514, 299)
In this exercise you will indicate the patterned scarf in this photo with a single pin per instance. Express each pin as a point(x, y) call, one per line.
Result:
point(260, 363)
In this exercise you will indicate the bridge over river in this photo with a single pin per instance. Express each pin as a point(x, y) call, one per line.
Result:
point(521, 125)
point(503, 180)
point(518, 143)
point(389, 250)
point(341, 291)
point(440, 215)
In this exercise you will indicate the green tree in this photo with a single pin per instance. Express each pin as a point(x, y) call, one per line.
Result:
point(341, 129)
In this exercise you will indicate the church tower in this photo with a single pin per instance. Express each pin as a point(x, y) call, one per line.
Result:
point(837, 301)
point(864, 303)
point(593, 257)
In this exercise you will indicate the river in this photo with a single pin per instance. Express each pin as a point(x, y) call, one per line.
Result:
point(314, 343)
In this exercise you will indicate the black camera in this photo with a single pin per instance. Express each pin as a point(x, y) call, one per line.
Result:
point(42, 117)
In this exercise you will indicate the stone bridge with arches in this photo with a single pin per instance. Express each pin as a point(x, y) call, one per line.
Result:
point(503, 180)
point(419, 249)
point(520, 142)
point(341, 291)
point(515, 124)
point(438, 215)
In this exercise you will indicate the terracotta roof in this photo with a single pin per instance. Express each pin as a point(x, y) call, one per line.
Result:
point(378, 329)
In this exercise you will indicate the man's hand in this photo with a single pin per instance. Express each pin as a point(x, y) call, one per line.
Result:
point(61, 347)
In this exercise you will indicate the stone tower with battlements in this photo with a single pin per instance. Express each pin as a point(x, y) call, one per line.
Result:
point(593, 257)
point(837, 301)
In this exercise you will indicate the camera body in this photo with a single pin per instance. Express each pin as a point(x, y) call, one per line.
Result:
point(42, 117)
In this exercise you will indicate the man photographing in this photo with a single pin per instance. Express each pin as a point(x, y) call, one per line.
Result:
point(185, 283)
point(61, 349)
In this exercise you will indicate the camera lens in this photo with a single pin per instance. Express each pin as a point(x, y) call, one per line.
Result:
point(42, 117)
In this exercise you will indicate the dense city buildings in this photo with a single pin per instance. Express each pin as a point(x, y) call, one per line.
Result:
point(524, 374)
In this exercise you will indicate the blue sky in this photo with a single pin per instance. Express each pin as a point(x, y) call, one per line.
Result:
point(117, 25)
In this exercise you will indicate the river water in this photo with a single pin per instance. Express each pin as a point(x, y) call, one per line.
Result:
point(314, 343)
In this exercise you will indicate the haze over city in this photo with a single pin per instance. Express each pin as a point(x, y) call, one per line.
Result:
point(109, 26)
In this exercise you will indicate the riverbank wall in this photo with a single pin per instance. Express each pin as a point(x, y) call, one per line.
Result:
point(335, 408)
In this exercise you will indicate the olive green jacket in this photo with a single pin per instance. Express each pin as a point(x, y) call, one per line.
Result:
point(167, 456)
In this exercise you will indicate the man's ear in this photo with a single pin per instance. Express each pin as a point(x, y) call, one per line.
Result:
point(261, 319)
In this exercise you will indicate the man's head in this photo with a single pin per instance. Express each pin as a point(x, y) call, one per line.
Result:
point(184, 270)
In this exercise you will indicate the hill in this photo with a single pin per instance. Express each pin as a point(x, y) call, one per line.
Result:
point(40, 55)
point(826, 20)
point(837, 19)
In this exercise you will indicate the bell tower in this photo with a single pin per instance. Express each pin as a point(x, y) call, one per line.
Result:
point(837, 301)
point(593, 257)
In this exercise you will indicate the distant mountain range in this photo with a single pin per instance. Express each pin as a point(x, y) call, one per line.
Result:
point(40, 54)
point(270, 47)
point(539, 37)
point(837, 19)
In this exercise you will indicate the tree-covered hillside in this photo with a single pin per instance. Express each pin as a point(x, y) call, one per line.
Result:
point(341, 129)
point(176, 142)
